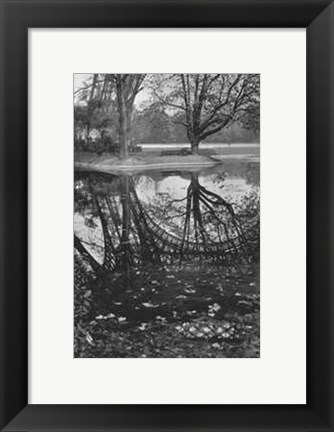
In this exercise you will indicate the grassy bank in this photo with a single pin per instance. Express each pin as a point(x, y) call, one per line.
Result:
point(153, 160)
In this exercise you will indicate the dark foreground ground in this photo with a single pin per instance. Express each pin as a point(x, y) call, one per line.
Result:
point(174, 312)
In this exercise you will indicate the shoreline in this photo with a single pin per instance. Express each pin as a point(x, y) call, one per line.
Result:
point(112, 164)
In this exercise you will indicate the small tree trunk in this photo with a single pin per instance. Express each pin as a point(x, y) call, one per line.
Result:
point(194, 146)
point(92, 90)
point(129, 128)
point(122, 117)
point(125, 261)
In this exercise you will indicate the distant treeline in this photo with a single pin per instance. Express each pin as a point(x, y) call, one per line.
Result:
point(152, 125)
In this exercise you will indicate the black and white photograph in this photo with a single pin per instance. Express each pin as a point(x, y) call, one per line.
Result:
point(166, 215)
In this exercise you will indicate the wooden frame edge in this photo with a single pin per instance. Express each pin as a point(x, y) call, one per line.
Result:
point(16, 18)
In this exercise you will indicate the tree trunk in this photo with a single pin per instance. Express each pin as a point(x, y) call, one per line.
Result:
point(125, 261)
point(122, 117)
point(194, 146)
point(92, 90)
point(87, 135)
point(129, 128)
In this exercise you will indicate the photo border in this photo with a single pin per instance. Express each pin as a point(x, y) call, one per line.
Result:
point(16, 18)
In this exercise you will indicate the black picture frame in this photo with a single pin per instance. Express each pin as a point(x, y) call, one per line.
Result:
point(17, 16)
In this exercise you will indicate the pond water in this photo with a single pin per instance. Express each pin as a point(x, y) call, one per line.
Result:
point(160, 243)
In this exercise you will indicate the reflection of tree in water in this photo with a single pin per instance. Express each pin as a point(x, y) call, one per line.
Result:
point(208, 225)
point(109, 203)
point(210, 221)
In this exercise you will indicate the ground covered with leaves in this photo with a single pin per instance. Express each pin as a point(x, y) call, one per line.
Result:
point(186, 311)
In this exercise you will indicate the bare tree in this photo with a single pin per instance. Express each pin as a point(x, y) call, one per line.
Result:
point(206, 103)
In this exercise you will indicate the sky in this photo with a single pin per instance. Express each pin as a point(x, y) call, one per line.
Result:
point(79, 80)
